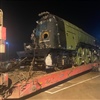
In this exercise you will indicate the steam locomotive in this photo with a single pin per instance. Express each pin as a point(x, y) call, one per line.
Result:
point(57, 43)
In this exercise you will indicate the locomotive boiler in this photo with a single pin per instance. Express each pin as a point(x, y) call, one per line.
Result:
point(57, 43)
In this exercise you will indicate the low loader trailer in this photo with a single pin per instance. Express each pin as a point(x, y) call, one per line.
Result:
point(17, 84)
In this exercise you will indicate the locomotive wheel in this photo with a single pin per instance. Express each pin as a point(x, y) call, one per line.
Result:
point(93, 57)
point(78, 59)
point(99, 54)
point(86, 56)
point(57, 68)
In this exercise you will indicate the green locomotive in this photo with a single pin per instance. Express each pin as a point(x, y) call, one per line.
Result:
point(57, 43)
point(86, 46)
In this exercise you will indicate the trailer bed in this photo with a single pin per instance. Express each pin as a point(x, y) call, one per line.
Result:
point(40, 80)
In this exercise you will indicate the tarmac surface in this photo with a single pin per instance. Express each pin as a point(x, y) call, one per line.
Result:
point(82, 87)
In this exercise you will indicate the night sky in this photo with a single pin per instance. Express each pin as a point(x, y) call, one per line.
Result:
point(20, 17)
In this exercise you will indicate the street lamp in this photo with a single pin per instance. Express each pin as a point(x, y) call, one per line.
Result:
point(7, 43)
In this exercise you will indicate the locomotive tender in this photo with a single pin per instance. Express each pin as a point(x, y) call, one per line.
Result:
point(58, 43)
